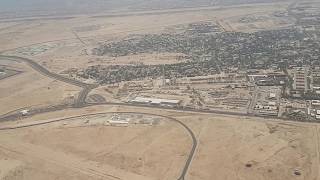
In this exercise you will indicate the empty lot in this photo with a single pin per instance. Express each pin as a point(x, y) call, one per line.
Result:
point(228, 147)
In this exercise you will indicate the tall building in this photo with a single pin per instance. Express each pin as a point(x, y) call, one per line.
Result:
point(301, 79)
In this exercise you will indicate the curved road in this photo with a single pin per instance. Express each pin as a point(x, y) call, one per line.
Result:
point(80, 101)
point(184, 126)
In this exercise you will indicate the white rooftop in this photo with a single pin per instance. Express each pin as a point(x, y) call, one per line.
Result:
point(271, 103)
point(154, 100)
point(24, 112)
point(273, 95)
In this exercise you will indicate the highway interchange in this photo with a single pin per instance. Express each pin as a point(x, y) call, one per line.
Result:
point(86, 88)
point(81, 102)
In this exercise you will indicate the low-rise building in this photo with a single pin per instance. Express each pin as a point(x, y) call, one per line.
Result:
point(272, 95)
point(155, 101)
point(315, 102)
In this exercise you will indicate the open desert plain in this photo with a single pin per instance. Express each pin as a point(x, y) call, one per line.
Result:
point(160, 90)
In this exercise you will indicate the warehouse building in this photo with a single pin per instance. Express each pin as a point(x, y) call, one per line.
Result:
point(155, 101)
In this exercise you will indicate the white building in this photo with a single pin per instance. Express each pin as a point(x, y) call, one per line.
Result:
point(155, 101)
point(24, 112)
point(118, 123)
point(315, 102)
point(272, 95)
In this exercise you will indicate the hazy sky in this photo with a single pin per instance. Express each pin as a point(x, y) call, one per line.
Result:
point(70, 6)
point(89, 5)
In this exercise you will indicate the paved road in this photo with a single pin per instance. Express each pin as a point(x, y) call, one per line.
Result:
point(80, 101)
point(44, 71)
point(17, 115)
point(186, 128)
point(253, 100)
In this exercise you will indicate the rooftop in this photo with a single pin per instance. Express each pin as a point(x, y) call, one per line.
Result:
point(154, 100)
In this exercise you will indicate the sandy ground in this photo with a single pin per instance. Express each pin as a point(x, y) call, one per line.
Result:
point(77, 59)
point(63, 34)
point(30, 89)
point(137, 152)
point(274, 150)
point(50, 30)
point(229, 147)
point(227, 144)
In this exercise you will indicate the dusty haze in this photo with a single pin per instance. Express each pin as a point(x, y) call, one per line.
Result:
point(13, 8)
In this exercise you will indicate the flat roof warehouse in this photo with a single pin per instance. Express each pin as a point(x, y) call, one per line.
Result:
point(155, 101)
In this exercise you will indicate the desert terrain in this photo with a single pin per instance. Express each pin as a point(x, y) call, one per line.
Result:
point(31, 89)
point(66, 43)
point(58, 120)
point(228, 147)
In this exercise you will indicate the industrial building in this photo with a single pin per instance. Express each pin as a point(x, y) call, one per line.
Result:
point(315, 102)
point(155, 101)
point(318, 114)
point(116, 120)
point(272, 95)
point(315, 76)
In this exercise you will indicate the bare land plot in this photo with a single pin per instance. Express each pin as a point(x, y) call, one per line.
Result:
point(31, 89)
point(136, 152)
point(228, 147)
point(5, 73)
point(71, 40)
